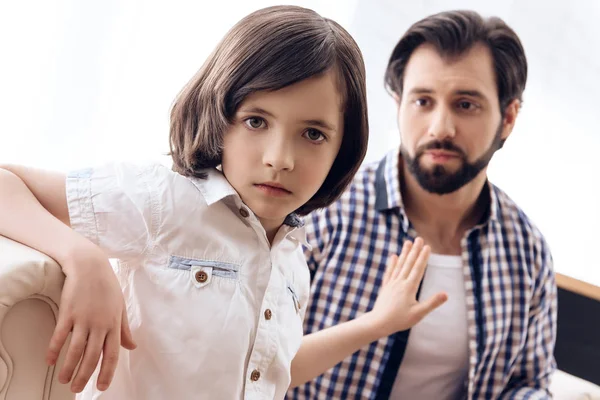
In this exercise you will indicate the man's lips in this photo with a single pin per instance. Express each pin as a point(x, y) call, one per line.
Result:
point(441, 155)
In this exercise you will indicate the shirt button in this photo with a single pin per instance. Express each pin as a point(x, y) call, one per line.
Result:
point(244, 213)
point(255, 375)
point(268, 314)
point(201, 276)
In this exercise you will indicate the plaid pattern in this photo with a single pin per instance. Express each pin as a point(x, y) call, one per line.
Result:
point(509, 282)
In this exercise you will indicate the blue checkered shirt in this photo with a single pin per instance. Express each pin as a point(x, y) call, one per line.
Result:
point(509, 283)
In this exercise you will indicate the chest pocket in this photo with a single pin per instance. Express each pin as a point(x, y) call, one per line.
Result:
point(208, 308)
point(203, 272)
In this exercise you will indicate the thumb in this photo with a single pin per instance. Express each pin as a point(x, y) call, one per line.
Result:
point(126, 336)
point(426, 307)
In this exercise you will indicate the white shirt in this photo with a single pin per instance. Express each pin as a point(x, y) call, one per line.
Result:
point(436, 361)
point(216, 312)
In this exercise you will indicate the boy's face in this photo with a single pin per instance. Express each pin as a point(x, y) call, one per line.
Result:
point(449, 117)
point(282, 144)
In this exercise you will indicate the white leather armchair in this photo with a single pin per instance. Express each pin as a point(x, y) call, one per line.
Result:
point(30, 288)
point(568, 387)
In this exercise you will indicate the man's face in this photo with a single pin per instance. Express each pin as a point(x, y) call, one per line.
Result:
point(449, 117)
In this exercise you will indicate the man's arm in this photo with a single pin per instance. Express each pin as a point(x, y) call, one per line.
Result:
point(317, 226)
point(536, 365)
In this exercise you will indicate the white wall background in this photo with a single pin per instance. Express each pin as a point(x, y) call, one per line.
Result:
point(85, 82)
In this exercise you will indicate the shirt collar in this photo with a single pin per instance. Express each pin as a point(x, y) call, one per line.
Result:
point(387, 186)
point(298, 234)
point(494, 214)
point(216, 187)
point(389, 197)
point(294, 220)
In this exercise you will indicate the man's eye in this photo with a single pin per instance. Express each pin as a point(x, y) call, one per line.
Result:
point(466, 105)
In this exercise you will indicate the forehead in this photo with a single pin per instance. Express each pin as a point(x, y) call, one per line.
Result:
point(312, 98)
point(472, 70)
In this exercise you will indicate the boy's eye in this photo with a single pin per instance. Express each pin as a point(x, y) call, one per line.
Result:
point(314, 135)
point(254, 122)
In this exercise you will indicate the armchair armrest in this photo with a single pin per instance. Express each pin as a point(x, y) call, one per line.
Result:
point(30, 290)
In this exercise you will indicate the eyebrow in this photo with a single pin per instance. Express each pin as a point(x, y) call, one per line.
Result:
point(472, 93)
point(314, 122)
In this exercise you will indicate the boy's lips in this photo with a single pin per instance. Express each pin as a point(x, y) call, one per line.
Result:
point(273, 188)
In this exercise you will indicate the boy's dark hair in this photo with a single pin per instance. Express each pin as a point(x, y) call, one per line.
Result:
point(455, 32)
point(268, 50)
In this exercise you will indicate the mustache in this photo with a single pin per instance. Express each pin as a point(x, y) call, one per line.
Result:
point(446, 145)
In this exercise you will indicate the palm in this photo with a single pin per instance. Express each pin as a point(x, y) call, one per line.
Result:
point(397, 304)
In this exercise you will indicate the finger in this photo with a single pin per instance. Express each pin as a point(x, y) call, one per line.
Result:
point(416, 275)
point(58, 339)
point(411, 258)
point(402, 259)
point(74, 353)
point(390, 268)
point(424, 308)
point(110, 357)
point(89, 362)
point(126, 336)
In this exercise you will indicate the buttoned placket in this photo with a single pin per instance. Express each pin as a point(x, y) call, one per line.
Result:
point(266, 341)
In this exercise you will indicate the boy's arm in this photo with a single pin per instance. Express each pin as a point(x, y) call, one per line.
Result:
point(33, 211)
point(396, 309)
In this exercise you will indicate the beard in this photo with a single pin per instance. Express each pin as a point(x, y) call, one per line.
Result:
point(438, 179)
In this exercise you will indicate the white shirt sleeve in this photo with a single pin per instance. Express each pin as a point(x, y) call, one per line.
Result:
point(117, 207)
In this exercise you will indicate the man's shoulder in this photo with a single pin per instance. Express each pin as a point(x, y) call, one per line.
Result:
point(364, 180)
point(361, 190)
point(512, 216)
point(355, 202)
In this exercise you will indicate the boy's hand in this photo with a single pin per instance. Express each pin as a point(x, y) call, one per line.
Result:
point(397, 308)
point(93, 309)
